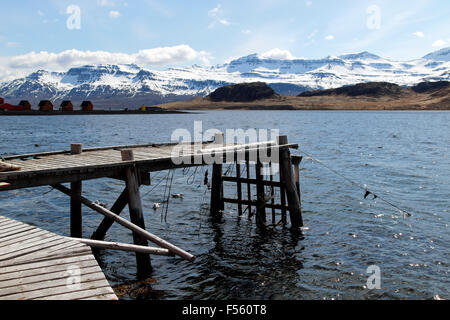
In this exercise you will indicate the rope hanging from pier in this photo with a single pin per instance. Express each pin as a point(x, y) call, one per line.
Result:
point(367, 191)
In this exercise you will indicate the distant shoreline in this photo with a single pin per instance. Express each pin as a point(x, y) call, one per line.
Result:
point(95, 112)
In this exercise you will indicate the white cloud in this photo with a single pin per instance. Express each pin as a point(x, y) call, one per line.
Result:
point(40, 13)
point(18, 66)
point(439, 43)
point(216, 15)
point(419, 34)
point(308, 3)
point(105, 3)
point(329, 37)
point(278, 54)
point(114, 14)
point(246, 31)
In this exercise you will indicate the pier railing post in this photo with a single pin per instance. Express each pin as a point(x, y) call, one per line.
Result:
point(217, 204)
point(289, 183)
point(76, 211)
point(144, 267)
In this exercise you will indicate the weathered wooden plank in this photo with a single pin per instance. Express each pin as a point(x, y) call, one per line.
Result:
point(35, 292)
point(18, 230)
point(105, 292)
point(35, 265)
point(35, 258)
point(9, 225)
point(26, 235)
point(100, 297)
point(35, 248)
point(33, 271)
point(44, 280)
point(26, 239)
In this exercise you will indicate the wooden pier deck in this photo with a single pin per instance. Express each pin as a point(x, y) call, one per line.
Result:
point(38, 265)
point(62, 166)
point(133, 165)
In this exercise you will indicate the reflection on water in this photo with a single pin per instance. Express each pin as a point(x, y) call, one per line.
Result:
point(400, 155)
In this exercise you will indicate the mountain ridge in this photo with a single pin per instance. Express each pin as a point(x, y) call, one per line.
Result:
point(125, 86)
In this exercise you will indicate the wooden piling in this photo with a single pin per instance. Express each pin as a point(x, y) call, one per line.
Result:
point(76, 210)
point(272, 194)
point(296, 160)
point(260, 209)
point(217, 205)
point(249, 189)
point(239, 188)
point(283, 199)
point(144, 267)
point(288, 181)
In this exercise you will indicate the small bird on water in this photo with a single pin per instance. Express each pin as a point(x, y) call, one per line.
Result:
point(178, 196)
point(156, 206)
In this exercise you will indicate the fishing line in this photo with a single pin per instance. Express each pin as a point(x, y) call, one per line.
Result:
point(368, 192)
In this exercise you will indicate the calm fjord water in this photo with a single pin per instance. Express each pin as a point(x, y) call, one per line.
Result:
point(403, 156)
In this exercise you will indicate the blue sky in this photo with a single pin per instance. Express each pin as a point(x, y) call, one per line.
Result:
point(170, 33)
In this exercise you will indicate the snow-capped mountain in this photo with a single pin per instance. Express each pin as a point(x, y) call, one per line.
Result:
point(128, 86)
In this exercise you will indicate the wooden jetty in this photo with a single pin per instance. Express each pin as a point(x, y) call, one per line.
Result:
point(39, 265)
point(134, 164)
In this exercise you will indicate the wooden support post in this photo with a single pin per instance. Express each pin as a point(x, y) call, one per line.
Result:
point(124, 247)
point(296, 160)
point(217, 205)
point(288, 181)
point(239, 188)
point(127, 224)
point(249, 189)
point(272, 194)
point(76, 211)
point(144, 267)
point(107, 223)
point(283, 199)
point(260, 209)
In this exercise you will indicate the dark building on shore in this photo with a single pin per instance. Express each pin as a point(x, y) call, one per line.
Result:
point(25, 104)
point(45, 105)
point(87, 106)
point(66, 106)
